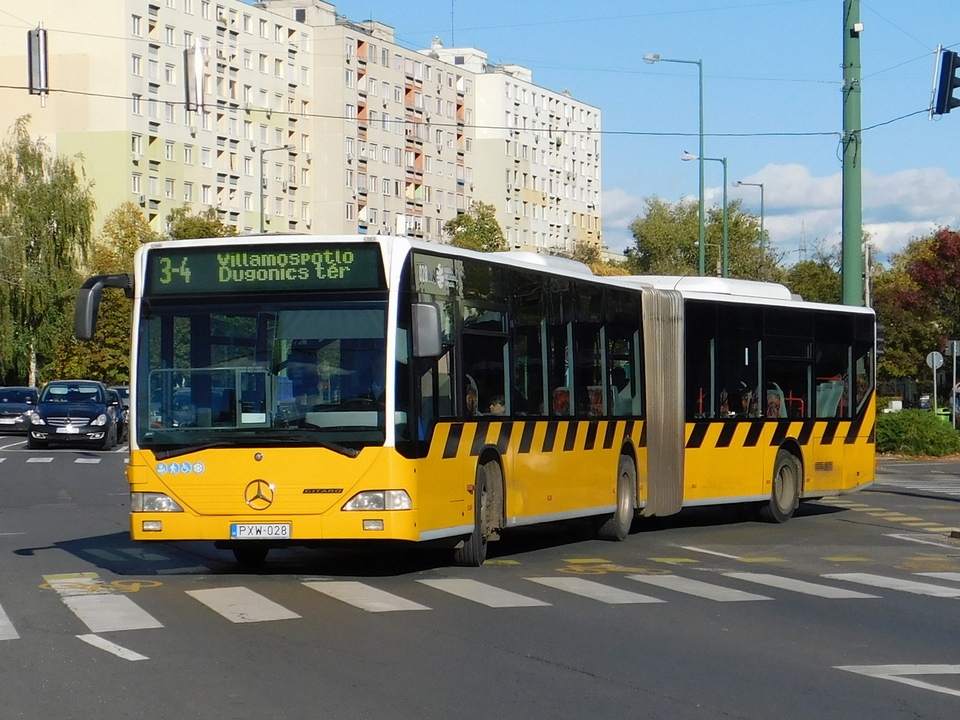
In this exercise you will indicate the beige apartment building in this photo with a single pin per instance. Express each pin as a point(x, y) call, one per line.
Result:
point(308, 122)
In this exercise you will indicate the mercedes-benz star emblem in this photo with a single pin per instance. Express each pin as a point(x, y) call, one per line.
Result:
point(259, 494)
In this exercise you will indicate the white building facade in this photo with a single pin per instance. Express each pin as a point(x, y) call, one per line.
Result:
point(310, 123)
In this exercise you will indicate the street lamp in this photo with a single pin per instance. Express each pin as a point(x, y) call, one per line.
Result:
point(739, 183)
point(263, 180)
point(651, 58)
point(725, 267)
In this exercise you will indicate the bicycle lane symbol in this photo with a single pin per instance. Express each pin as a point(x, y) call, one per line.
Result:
point(602, 567)
point(73, 584)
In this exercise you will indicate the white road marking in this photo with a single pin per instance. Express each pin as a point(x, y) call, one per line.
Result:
point(484, 594)
point(364, 597)
point(87, 461)
point(241, 605)
point(711, 552)
point(922, 541)
point(122, 652)
point(100, 607)
point(7, 631)
point(800, 586)
point(896, 673)
point(595, 591)
point(110, 613)
point(697, 588)
point(910, 586)
point(955, 576)
point(40, 460)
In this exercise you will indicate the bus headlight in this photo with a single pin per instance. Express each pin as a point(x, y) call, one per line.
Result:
point(153, 502)
point(380, 500)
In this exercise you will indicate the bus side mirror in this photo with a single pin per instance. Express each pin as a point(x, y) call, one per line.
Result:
point(426, 331)
point(88, 302)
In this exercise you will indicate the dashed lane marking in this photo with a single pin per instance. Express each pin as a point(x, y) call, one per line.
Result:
point(363, 596)
point(242, 605)
point(697, 588)
point(595, 590)
point(484, 594)
point(7, 631)
point(800, 586)
point(910, 586)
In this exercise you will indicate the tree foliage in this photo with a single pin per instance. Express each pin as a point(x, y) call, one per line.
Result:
point(46, 216)
point(589, 254)
point(107, 356)
point(817, 279)
point(918, 302)
point(477, 229)
point(182, 225)
point(667, 241)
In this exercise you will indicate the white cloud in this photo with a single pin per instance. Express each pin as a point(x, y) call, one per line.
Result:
point(799, 206)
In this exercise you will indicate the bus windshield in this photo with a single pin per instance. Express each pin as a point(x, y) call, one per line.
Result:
point(261, 373)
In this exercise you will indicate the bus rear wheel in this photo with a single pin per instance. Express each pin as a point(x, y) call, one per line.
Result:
point(473, 551)
point(785, 493)
point(617, 526)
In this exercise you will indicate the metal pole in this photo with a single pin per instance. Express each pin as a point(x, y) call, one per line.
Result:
point(852, 234)
point(726, 225)
point(702, 211)
point(953, 388)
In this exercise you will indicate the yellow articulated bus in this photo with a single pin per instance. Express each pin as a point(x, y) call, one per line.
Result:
point(295, 390)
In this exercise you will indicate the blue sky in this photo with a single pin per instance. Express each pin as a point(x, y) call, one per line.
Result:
point(772, 73)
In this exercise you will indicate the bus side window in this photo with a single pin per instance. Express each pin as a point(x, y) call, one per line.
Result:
point(529, 343)
point(703, 399)
point(560, 360)
point(622, 332)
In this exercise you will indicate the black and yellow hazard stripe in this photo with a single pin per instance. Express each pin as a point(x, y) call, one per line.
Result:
point(534, 436)
point(754, 433)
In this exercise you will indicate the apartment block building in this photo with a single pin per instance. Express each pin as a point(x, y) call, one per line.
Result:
point(302, 121)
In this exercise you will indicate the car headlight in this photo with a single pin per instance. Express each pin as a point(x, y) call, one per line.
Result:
point(380, 500)
point(101, 420)
point(153, 502)
point(34, 417)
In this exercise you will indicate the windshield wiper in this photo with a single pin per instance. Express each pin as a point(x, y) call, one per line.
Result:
point(168, 453)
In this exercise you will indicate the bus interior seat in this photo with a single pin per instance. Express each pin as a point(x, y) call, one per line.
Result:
point(829, 394)
point(776, 402)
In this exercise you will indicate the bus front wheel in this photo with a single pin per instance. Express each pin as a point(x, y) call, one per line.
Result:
point(617, 526)
point(785, 493)
point(473, 551)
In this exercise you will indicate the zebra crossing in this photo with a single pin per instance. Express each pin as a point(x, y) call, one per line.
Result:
point(936, 482)
point(105, 608)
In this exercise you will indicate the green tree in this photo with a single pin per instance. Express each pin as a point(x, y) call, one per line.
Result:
point(46, 216)
point(667, 234)
point(817, 279)
point(918, 302)
point(477, 229)
point(205, 224)
point(107, 356)
point(589, 254)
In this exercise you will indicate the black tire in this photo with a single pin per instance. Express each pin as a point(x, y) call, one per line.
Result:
point(250, 555)
point(785, 490)
point(109, 438)
point(617, 526)
point(35, 444)
point(473, 552)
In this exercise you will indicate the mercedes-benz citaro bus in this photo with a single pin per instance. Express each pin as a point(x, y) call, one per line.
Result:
point(295, 390)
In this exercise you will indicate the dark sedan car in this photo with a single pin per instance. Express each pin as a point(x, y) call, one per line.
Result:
point(15, 402)
point(75, 412)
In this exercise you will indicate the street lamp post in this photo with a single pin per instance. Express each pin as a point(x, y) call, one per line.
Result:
point(739, 183)
point(263, 180)
point(653, 58)
point(725, 266)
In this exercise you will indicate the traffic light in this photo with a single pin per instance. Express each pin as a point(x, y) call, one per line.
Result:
point(948, 84)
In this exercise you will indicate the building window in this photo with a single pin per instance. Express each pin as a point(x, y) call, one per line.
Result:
point(135, 182)
point(136, 65)
point(188, 191)
point(350, 211)
point(188, 154)
point(168, 151)
point(170, 189)
point(136, 25)
point(136, 104)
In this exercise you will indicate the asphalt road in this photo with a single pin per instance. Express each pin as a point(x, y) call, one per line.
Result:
point(847, 611)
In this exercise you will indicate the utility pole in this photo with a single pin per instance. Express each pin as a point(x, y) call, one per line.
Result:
point(852, 234)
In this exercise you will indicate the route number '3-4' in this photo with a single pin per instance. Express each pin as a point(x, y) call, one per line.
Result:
point(168, 270)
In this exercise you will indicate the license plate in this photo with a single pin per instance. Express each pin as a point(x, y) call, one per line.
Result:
point(68, 430)
point(7, 421)
point(260, 531)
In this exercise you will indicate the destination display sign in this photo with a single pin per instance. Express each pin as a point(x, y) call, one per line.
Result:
point(263, 268)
